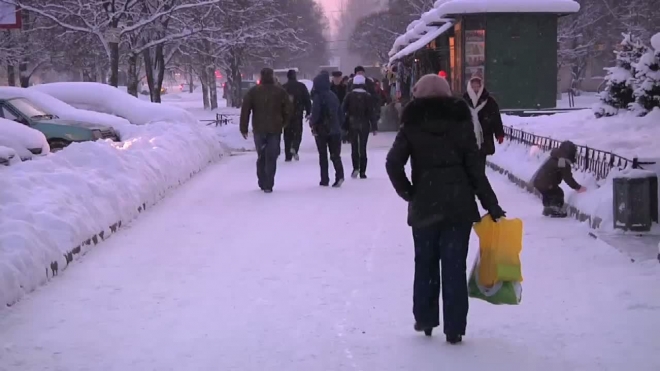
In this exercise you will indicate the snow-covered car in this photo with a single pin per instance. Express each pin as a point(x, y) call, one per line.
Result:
point(8, 156)
point(108, 99)
point(89, 119)
point(24, 140)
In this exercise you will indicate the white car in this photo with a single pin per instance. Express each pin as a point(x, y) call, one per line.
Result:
point(8, 156)
point(108, 99)
point(25, 141)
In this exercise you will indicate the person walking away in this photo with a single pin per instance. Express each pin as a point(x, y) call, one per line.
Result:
point(338, 87)
point(550, 175)
point(368, 85)
point(302, 106)
point(487, 120)
point(359, 122)
point(326, 113)
point(270, 108)
point(437, 136)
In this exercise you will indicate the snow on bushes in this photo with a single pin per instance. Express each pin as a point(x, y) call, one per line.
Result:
point(620, 79)
point(108, 99)
point(647, 94)
point(51, 206)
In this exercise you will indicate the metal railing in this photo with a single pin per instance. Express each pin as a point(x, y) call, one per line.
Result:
point(592, 160)
point(220, 119)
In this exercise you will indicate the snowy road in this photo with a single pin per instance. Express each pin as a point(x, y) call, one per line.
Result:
point(220, 276)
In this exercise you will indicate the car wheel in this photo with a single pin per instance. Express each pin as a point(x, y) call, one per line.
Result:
point(57, 144)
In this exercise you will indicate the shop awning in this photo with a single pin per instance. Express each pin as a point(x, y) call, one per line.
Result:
point(422, 42)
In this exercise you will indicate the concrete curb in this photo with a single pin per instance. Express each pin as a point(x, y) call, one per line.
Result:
point(594, 220)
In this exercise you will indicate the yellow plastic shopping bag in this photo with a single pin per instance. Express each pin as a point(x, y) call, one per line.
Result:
point(500, 244)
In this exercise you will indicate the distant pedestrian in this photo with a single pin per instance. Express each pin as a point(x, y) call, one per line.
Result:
point(271, 109)
point(369, 82)
point(548, 177)
point(360, 120)
point(437, 137)
point(302, 106)
point(486, 117)
point(326, 113)
point(338, 87)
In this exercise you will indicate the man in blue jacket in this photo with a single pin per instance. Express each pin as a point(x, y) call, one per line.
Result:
point(325, 124)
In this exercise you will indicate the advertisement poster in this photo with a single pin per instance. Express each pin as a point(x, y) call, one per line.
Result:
point(475, 53)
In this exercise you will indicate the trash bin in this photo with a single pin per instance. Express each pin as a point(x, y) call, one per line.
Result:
point(635, 200)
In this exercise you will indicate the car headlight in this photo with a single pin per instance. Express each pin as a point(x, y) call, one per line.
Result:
point(97, 134)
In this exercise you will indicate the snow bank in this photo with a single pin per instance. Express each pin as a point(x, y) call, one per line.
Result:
point(625, 134)
point(655, 42)
point(52, 105)
point(108, 99)
point(48, 216)
point(22, 138)
point(8, 156)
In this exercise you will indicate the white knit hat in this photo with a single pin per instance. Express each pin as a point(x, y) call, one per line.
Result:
point(359, 80)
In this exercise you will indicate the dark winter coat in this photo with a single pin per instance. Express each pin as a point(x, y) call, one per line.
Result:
point(269, 106)
point(489, 118)
point(359, 111)
point(299, 98)
point(557, 168)
point(340, 91)
point(369, 86)
point(438, 137)
point(326, 110)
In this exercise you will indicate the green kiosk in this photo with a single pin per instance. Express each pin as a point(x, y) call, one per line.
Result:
point(511, 44)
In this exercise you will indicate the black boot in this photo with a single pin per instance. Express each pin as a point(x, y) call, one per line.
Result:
point(338, 183)
point(428, 331)
point(454, 339)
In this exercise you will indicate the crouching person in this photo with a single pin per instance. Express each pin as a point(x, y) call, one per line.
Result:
point(549, 176)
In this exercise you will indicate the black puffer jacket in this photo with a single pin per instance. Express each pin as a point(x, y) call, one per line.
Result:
point(359, 110)
point(437, 135)
point(557, 168)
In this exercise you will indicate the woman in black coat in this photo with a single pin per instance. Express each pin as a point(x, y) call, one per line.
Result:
point(487, 120)
point(438, 137)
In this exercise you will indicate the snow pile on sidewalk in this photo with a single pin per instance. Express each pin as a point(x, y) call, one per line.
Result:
point(523, 162)
point(50, 206)
point(625, 134)
point(108, 99)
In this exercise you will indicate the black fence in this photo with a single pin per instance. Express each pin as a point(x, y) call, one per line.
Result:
point(591, 160)
point(221, 119)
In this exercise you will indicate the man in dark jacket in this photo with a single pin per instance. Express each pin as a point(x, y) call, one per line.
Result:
point(437, 136)
point(550, 175)
point(338, 87)
point(360, 120)
point(486, 117)
point(302, 105)
point(369, 83)
point(271, 109)
point(326, 113)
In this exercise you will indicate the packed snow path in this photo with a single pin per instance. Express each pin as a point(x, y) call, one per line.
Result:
point(220, 276)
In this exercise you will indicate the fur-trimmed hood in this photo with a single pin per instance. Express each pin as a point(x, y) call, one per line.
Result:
point(435, 114)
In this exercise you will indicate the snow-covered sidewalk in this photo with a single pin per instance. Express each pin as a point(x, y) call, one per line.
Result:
point(220, 276)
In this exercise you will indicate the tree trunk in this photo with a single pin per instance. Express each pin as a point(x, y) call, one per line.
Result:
point(132, 83)
point(114, 64)
point(190, 79)
point(11, 75)
point(155, 69)
point(23, 75)
point(205, 88)
point(212, 86)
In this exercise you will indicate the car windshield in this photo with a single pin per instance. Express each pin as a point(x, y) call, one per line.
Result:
point(29, 109)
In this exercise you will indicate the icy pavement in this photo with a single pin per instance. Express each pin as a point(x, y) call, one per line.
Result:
point(220, 276)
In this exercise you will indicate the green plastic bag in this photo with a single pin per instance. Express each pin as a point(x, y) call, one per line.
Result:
point(507, 292)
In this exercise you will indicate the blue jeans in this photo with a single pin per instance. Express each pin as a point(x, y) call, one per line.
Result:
point(445, 244)
point(268, 150)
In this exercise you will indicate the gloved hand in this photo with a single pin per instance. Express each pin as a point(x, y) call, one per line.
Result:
point(496, 213)
point(500, 139)
point(245, 135)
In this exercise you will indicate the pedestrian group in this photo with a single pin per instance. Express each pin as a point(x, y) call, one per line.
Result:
point(446, 139)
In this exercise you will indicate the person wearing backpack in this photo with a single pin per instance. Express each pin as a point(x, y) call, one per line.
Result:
point(360, 120)
point(302, 104)
point(324, 122)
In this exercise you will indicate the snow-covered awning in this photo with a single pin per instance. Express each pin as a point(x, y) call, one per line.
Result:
point(443, 10)
point(425, 39)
